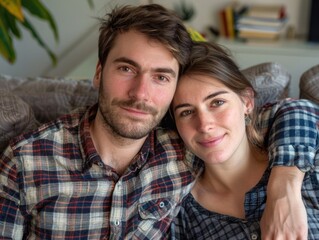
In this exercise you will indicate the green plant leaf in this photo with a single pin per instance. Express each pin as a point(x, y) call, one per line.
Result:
point(6, 44)
point(13, 7)
point(36, 8)
point(10, 22)
point(35, 34)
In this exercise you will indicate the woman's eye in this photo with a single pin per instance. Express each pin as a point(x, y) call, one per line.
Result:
point(186, 113)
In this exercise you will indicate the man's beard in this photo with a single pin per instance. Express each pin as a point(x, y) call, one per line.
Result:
point(127, 127)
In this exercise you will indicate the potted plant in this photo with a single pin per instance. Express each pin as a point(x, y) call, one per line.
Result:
point(12, 18)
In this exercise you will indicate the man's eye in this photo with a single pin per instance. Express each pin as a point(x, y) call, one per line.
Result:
point(125, 69)
point(217, 103)
point(163, 78)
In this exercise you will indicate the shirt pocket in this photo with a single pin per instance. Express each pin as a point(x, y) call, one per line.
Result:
point(156, 209)
point(156, 216)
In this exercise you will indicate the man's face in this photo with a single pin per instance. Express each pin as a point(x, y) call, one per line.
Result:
point(136, 85)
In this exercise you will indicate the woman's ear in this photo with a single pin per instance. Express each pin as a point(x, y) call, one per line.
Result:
point(97, 75)
point(249, 100)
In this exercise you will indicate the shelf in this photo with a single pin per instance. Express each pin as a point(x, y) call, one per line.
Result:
point(284, 47)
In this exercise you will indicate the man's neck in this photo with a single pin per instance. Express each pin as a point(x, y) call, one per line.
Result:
point(115, 151)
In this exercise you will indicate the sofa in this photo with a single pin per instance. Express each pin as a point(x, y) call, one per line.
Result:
point(26, 103)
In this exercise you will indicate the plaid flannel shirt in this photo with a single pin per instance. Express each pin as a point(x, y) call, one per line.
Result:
point(53, 184)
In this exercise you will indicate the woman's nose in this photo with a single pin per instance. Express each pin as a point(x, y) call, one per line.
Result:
point(205, 121)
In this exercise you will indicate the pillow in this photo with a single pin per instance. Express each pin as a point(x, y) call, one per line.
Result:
point(270, 80)
point(16, 117)
point(309, 84)
point(53, 97)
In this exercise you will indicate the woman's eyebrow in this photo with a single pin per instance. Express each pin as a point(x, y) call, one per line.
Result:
point(214, 95)
point(205, 99)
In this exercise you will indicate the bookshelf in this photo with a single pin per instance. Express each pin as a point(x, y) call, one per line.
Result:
point(296, 56)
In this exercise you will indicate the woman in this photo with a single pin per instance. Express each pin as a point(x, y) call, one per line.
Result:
point(214, 112)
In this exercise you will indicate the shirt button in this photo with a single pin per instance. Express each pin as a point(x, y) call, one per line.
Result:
point(100, 164)
point(117, 223)
point(254, 236)
point(162, 204)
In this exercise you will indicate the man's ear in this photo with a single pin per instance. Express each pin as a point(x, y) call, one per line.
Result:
point(97, 75)
point(249, 100)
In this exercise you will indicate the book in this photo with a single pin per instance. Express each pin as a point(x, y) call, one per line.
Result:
point(273, 11)
point(265, 35)
point(230, 21)
point(258, 34)
point(222, 23)
point(259, 27)
point(228, 17)
point(257, 21)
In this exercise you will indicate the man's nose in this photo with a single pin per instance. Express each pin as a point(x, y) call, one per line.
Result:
point(140, 89)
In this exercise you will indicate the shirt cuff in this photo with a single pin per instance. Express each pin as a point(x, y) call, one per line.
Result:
point(300, 156)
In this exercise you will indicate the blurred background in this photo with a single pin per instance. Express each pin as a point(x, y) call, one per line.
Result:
point(76, 48)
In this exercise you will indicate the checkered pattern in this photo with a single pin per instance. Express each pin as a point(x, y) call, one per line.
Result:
point(53, 184)
point(294, 141)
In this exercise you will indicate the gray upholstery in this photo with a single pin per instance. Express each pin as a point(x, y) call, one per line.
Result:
point(16, 116)
point(270, 80)
point(27, 102)
point(309, 84)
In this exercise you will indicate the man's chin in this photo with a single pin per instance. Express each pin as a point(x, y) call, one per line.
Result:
point(134, 130)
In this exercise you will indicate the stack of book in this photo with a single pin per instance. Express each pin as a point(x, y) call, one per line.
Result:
point(262, 22)
point(228, 16)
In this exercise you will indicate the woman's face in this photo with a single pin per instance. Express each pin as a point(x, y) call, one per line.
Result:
point(210, 118)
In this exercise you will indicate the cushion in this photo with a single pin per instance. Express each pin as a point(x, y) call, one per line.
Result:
point(309, 84)
point(16, 117)
point(270, 80)
point(52, 97)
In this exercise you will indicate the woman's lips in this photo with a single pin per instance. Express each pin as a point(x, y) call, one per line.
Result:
point(211, 142)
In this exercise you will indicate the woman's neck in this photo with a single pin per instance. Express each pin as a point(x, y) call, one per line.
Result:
point(222, 187)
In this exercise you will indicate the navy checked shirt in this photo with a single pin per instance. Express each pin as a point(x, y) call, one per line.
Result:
point(296, 142)
point(53, 184)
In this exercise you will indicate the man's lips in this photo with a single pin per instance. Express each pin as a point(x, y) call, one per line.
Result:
point(135, 111)
point(211, 142)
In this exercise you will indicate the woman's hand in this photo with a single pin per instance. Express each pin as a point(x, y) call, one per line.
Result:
point(285, 214)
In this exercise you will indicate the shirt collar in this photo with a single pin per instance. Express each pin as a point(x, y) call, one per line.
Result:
point(89, 153)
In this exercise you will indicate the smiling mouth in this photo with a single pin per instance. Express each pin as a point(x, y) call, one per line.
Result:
point(136, 113)
point(211, 141)
point(135, 110)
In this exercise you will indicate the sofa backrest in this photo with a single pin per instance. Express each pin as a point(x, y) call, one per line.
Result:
point(27, 102)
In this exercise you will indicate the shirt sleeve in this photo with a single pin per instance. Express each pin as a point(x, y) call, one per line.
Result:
point(11, 219)
point(291, 133)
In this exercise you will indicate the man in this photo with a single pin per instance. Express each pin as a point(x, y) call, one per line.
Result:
point(107, 172)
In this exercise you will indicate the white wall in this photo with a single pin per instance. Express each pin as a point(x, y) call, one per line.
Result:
point(78, 32)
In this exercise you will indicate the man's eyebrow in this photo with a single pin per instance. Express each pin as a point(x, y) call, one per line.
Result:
point(135, 64)
point(166, 70)
point(127, 60)
point(205, 99)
